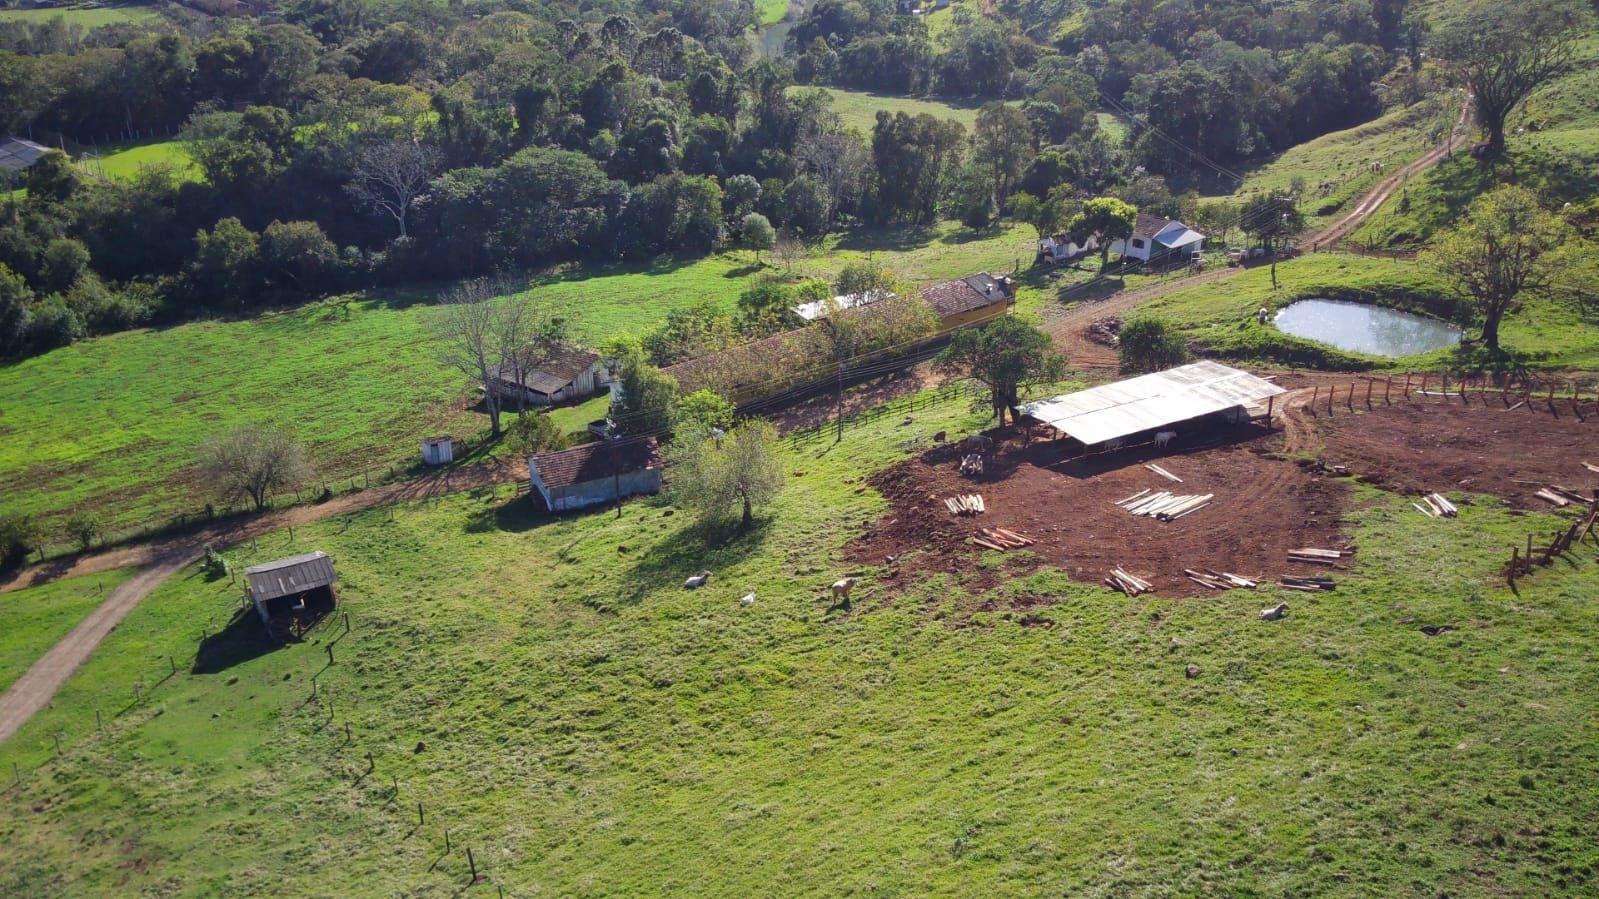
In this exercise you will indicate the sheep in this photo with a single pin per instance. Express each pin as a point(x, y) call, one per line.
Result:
point(841, 589)
point(1261, 315)
point(1162, 438)
point(697, 581)
point(747, 599)
point(1274, 613)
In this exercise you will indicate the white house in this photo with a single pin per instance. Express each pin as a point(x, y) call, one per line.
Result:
point(1155, 238)
point(1061, 248)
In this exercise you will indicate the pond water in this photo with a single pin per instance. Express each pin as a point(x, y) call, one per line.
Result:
point(1364, 328)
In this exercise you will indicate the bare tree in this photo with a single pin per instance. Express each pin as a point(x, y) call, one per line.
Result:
point(252, 462)
point(486, 330)
point(390, 174)
point(840, 161)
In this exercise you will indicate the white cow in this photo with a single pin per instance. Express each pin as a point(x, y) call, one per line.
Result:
point(1162, 438)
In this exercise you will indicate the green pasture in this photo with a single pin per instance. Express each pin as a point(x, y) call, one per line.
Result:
point(34, 618)
point(88, 18)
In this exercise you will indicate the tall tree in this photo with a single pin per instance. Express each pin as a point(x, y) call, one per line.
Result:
point(740, 469)
point(1107, 218)
point(1008, 356)
point(1502, 57)
point(1002, 141)
point(1507, 248)
point(253, 462)
point(390, 174)
point(485, 328)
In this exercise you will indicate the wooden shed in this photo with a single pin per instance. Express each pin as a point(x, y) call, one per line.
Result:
point(292, 593)
point(438, 450)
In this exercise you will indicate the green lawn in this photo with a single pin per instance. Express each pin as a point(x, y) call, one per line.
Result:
point(124, 163)
point(587, 727)
point(33, 619)
point(859, 108)
point(114, 422)
point(86, 18)
point(770, 12)
point(1220, 315)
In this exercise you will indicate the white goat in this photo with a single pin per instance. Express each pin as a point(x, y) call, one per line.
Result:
point(1162, 438)
point(842, 587)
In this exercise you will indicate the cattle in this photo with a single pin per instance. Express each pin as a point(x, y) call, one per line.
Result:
point(1261, 315)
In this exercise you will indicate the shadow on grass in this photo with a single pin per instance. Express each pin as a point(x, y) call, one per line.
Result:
point(244, 638)
point(902, 239)
point(711, 545)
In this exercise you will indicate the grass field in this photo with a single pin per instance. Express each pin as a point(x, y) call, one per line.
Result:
point(129, 452)
point(555, 699)
point(1220, 315)
point(86, 18)
point(859, 108)
point(770, 12)
point(124, 163)
point(35, 618)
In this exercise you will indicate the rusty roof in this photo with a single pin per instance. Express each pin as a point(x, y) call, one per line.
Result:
point(1149, 225)
point(966, 294)
point(593, 461)
point(286, 577)
point(559, 367)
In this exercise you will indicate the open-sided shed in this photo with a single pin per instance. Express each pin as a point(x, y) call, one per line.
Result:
point(298, 588)
point(1155, 402)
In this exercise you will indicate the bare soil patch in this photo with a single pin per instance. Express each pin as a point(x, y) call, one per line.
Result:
point(1263, 507)
point(1447, 445)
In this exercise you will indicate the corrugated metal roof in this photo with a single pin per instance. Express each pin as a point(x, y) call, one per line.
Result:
point(1147, 402)
point(816, 309)
point(286, 577)
point(1177, 235)
point(18, 153)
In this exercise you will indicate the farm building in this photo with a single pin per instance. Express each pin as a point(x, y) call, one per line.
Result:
point(1155, 238)
point(17, 154)
point(438, 450)
point(292, 593)
point(970, 300)
point(1061, 248)
point(1130, 411)
point(595, 473)
point(816, 309)
point(566, 374)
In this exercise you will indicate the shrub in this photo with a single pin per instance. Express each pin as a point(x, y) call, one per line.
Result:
point(1150, 344)
point(533, 433)
point(19, 537)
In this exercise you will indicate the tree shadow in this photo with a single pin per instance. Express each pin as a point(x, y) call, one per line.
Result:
point(745, 271)
point(521, 515)
point(897, 239)
point(707, 545)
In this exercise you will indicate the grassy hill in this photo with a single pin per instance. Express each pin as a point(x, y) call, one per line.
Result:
point(86, 17)
point(36, 617)
point(859, 108)
point(125, 162)
point(554, 698)
point(360, 386)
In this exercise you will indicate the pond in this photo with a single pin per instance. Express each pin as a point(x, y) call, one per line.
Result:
point(1364, 328)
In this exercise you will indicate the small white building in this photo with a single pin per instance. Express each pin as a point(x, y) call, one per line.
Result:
point(595, 473)
point(438, 450)
point(817, 309)
point(1061, 248)
point(1156, 238)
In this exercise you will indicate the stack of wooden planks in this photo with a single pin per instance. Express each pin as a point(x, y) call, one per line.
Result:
point(1000, 539)
point(1164, 505)
point(1591, 467)
point(1436, 506)
point(1307, 584)
point(1218, 580)
point(968, 504)
point(1163, 472)
point(1318, 556)
point(971, 463)
point(1131, 585)
point(1562, 496)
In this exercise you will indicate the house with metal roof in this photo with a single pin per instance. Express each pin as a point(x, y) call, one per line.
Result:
point(970, 300)
point(292, 593)
point(1186, 396)
point(564, 374)
point(595, 473)
point(1155, 238)
point(17, 153)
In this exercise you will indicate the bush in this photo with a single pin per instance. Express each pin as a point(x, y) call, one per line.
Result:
point(19, 537)
point(1150, 344)
point(533, 433)
point(54, 324)
point(84, 528)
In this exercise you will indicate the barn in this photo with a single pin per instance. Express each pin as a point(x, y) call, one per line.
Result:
point(595, 473)
point(565, 374)
point(1177, 400)
point(294, 593)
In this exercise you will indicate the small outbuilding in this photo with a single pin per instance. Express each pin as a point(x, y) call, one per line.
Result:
point(292, 593)
point(438, 450)
point(565, 374)
point(1130, 411)
point(18, 153)
point(1156, 239)
point(595, 473)
point(1061, 248)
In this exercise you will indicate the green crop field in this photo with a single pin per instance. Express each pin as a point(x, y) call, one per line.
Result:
point(359, 386)
point(859, 108)
point(1220, 315)
point(549, 693)
point(83, 17)
point(36, 617)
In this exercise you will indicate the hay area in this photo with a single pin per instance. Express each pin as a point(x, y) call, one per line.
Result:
point(1263, 507)
point(1445, 445)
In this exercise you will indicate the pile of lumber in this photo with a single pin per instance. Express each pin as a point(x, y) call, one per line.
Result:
point(1436, 506)
point(971, 463)
point(1591, 467)
point(1001, 539)
point(1163, 472)
point(1218, 580)
point(969, 504)
point(1127, 583)
point(1562, 496)
point(1164, 505)
point(1307, 584)
point(1318, 556)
